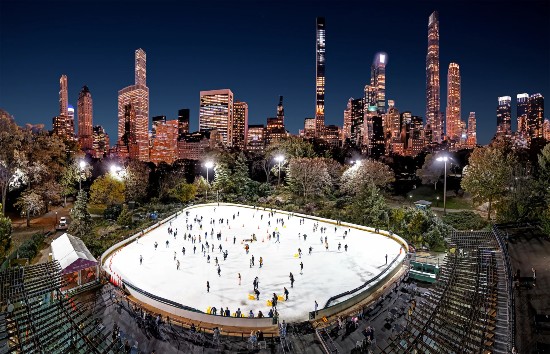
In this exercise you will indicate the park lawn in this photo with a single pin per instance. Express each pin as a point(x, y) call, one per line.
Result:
point(429, 194)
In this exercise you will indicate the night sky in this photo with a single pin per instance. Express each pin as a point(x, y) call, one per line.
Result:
point(263, 49)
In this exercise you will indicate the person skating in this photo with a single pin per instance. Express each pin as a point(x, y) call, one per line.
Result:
point(174, 255)
point(219, 271)
point(183, 250)
point(301, 267)
point(234, 239)
point(305, 237)
point(300, 252)
point(207, 286)
point(208, 259)
point(252, 260)
point(326, 246)
point(156, 245)
point(239, 278)
point(238, 313)
point(291, 280)
point(274, 300)
point(316, 307)
point(286, 294)
point(140, 259)
point(178, 264)
point(194, 249)
point(257, 292)
point(261, 262)
point(310, 250)
point(167, 243)
point(339, 246)
point(346, 247)
point(386, 259)
point(216, 259)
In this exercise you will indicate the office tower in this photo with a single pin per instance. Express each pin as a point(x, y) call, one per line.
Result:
point(193, 146)
point(137, 96)
point(183, 121)
point(377, 144)
point(309, 127)
point(256, 138)
point(275, 129)
point(100, 145)
point(281, 111)
point(394, 120)
point(216, 112)
point(535, 116)
point(320, 78)
point(378, 81)
point(522, 109)
point(63, 96)
point(164, 146)
point(546, 130)
point(332, 135)
point(472, 135)
point(357, 119)
point(504, 117)
point(84, 112)
point(453, 126)
point(433, 112)
point(240, 124)
point(415, 142)
point(346, 127)
point(154, 122)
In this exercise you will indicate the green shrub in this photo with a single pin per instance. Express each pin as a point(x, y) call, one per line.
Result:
point(465, 220)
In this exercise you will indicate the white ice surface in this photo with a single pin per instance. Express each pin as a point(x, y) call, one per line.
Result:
point(326, 273)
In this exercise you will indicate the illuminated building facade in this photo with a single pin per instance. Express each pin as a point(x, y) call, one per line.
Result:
point(63, 125)
point(63, 96)
point(275, 129)
point(471, 135)
point(309, 127)
point(535, 116)
point(332, 135)
point(453, 126)
point(164, 147)
point(346, 128)
point(357, 118)
point(240, 125)
point(137, 96)
point(378, 82)
point(433, 110)
point(183, 121)
point(392, 127)
point(216, 112)
point(546, 130)
point(256, 138)
point(84, 110)
point(522, 108)
point(193, 146)
point(70, 119)
point(504, 117)
point(320, 78)
point(100, 144)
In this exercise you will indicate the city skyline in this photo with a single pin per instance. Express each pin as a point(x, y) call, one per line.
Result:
point(291, 63)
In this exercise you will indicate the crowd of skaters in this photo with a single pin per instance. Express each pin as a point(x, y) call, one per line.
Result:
point(207, 249)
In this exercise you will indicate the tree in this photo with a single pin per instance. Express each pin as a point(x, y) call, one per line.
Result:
point(432, 170)
point(81, 225)
point(364, 173)
point(293, 146)
point(11, 142)
point(69, 178)
point(125, 217)
point(369, 207)
point(308, 177)
point(5, 236)
point(30, 203)
point(487, 177)
point(136, 180)
point(106, 191)
point(184, 192)
point(543, 172)
point(201, 185)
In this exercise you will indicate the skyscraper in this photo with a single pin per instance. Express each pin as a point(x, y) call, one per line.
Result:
point(63, 125)
point(392, 126)
point(63, 96)
point(100, 142)
point(433, 111)
point(378, 81)
point(164, 146)
point(504, 117)
point(84, 110)
point(137, 96)
point(535, 116)
point(320, 78)
point(216, 112)
point(453, 125)
point(472, 135)
point(240, 124)
point(183, 121)
point(281, 111)
point(357, 119)
point(346, 127)
point(522, 109)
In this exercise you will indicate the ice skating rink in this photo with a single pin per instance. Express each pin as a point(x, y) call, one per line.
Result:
point(325, 273)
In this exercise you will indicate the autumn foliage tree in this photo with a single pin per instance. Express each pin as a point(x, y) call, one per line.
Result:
point(365, 173)
point(308, 177)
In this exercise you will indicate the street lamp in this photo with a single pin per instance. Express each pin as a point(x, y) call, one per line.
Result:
point(55, 220)
point(117, 172)
point(444, 159)
point(208, 165)
point(279, 159)
point(82, 166)
point(438, 201)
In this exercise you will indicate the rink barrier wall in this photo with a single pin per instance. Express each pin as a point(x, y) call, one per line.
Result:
point(255, 322)
point(193, 314)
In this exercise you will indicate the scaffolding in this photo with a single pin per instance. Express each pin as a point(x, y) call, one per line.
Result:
point(467, 309)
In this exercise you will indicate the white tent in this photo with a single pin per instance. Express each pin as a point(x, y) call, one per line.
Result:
point(72, 255)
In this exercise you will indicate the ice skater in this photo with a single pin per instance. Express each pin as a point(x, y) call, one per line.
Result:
point(286, 294)
point(219, 271)
point(207, 286)
point(299, 252)
point(386, 259)
point(167, 243)
point(346, 247)
point(339, 246)
point(310, 249)
point(316, 307)
point(178, 264)
point(261, 262)
point(301, 267)
point(257, 292)
point(252, 260)
point(326, 246)
point(239, 278)
point(234, 239)
point(183, 250)
point(194, 249)
point(208, 259)
point(291, 280)
point(174, 255)
point(156, 245)
point(140, 259)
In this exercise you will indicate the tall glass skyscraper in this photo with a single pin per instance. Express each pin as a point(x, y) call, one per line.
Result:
point(137, 96)
point(240, 124)
point(84, 111)
point(453, 126)
point(504, 117)
point(522, 108)
point(216, 113)
point(535, 116)
point(472, 135)
point(433, 104)
point(378, 81)
point(320, 78)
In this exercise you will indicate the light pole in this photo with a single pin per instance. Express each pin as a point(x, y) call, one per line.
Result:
point(208, 165)
point(444, 159)
point(279, 159)
point(82, 166)
point(117, 172)
point(55, 220)
point(438, 201)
